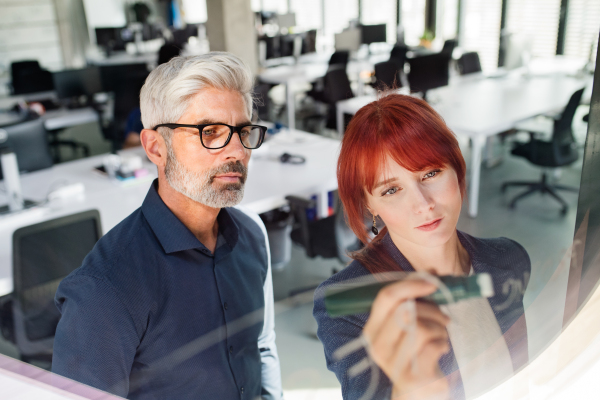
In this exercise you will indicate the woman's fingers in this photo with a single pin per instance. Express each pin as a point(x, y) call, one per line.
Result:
point(391, 296)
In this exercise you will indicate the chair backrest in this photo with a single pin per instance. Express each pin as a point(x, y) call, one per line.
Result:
point(44, 254)
point(309, 41)
point(562, 137)
point(398, 55)
point(469, 63)
point(168, 51)
point(428, 72)
point(28, 140)
point(449, 46)
point(29, 77)
point(387, 75)
point(336, 85)
point(340, 58)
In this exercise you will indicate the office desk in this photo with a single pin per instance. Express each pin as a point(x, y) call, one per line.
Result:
point(268, 183)
point(477, 108)
point(309, 72)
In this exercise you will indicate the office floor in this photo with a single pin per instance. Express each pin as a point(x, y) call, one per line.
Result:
point(536, 224)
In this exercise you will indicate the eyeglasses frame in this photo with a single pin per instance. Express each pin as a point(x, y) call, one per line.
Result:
point(232, 129)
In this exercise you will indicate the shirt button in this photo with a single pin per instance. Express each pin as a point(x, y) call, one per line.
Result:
point(230, 349)
point(242, 389)
point(225, 305)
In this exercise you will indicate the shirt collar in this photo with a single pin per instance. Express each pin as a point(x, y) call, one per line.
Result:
point(172, 234)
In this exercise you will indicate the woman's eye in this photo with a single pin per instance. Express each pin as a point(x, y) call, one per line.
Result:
point(432, 173)
point(390, 191)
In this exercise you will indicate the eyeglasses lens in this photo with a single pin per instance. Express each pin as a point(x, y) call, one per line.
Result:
point(215, 136)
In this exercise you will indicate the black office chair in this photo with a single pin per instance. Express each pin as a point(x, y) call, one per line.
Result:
point(29, 77)
point(167, 51)
point(339, 58)
point(28, 139)
point(43, 254)
point(124, 82)
point(327, 237)
point(387, 76)
point(398, 56)
point(449, 46)
point(468, 63)
point(558, 152)
point(336, 88)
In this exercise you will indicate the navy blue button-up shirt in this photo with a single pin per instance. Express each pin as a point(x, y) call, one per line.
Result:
point(153, 314)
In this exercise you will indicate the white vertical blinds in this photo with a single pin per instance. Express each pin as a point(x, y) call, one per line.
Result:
point(537, 20)
point(413, 20)
point(447, 20)
point(309, 14)
point(583, 26)
point(381, 12)
point(338, 14)
point(480, 30)
point(278, 6)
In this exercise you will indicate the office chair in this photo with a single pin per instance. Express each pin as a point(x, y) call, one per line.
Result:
point(44, 254)
point(468, 63)
point(398, 56)
point(558, 152)
point(29, 77)
point(28, 140)
point(449, 46)
point(387, 76)
point(327, 237)
point(263, 102)
point(336, 87)
point(339, 58)
point(167, 51)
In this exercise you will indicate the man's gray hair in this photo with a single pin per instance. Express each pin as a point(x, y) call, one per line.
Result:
point(168, 89)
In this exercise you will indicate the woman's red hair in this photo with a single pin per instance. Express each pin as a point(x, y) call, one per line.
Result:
point(398, 126)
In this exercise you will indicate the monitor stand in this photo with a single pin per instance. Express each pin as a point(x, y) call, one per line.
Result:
point(5, 210)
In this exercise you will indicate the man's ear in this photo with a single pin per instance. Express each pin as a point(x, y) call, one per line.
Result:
point(155, 147)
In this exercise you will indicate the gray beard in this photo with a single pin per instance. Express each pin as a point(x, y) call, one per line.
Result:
point(200, 186)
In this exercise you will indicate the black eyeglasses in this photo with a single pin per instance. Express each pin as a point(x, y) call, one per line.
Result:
point(217, 136)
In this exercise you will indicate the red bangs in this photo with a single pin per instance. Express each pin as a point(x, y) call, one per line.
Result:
point(402, 127)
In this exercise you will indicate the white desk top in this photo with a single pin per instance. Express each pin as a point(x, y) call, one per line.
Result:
point(268, 183)
point(477, 106)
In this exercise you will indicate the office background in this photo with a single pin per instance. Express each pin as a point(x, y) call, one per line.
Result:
point(545, 49)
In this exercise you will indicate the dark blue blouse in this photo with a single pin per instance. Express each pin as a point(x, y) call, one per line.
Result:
point(153, 314)
point(504, 259)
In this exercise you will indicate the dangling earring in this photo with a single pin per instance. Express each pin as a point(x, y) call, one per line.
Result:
point(374, 228)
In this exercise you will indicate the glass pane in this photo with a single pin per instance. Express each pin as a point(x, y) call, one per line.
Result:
point(215, 136)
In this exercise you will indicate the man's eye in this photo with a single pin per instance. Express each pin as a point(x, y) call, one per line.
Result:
point(208, 132)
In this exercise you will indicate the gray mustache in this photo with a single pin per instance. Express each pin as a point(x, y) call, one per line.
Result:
point(231, 167)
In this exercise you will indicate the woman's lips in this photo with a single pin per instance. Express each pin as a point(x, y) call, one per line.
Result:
point(430, 226)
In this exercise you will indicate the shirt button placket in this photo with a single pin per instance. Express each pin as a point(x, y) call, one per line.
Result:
point(225, 305)
point(242, 390)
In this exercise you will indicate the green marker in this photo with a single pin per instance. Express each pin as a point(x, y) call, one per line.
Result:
point(358, 298)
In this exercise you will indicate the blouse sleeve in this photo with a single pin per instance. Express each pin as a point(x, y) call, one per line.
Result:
point(337, 332)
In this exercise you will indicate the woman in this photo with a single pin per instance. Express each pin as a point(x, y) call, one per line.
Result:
point(400, 164)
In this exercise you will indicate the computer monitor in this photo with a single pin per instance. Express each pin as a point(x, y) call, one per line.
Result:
point(113, 38)
point(114, 76)
point(44, 254)
point(77, 82)
point(373, 33)
point(428, 72)
point(286, 20)
point(348, 40)
point(517, 51)
point(28, 139)
point(309, 41)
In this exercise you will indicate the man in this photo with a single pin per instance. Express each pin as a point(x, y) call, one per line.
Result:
point(176, 301)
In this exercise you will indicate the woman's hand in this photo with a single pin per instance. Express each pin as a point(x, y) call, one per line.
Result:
point(391, 347)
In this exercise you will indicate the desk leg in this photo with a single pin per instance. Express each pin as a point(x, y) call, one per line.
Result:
point(291, 106)
point(478, 143)
point(323, 204)
point(340, 121)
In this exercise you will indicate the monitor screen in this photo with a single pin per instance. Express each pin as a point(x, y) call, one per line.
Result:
point(373, 33)
point(109, 37)
point(348, 40)
point(77, 82)
point(428, 72)
point(44, 254)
